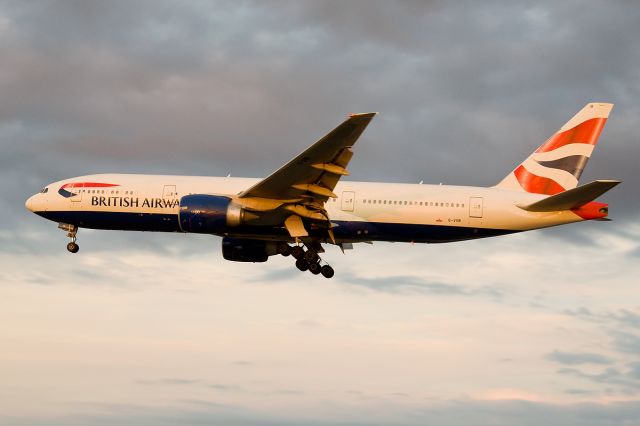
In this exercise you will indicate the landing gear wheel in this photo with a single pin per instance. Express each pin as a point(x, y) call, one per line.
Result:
point(297, 252)
point(314, 268)
point(327, 271)
point(284, 249)
point(302, 264)
point(73, 247)
point(311, 256)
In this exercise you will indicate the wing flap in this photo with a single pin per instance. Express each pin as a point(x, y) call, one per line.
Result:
point(573, 198)
point(331, 168)
point(295, 227)
point(323, 191)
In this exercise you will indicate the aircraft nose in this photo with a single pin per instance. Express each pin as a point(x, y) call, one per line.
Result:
point(30, 204)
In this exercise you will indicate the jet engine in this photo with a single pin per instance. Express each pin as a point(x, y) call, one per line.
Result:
point(209, 214)
point(245, 250)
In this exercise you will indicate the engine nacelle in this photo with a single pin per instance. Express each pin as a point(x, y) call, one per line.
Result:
point(245, 250)
point(209, 214)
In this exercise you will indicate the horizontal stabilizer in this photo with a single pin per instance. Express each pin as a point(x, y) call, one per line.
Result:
point(573, 198)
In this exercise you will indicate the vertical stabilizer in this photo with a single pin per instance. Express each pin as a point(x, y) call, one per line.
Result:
point(557, 165)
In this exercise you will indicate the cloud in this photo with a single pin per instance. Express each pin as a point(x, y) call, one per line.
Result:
point(626, 342)
point(406, 284)
point(577, 358)
point(400, 284)
point(449, 413)
point(619, 382)
point(626, 317)
point(225, 387)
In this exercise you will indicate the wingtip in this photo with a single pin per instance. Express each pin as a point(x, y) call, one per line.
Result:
point(363, 114)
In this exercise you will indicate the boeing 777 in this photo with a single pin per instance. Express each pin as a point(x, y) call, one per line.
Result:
point(304, 204)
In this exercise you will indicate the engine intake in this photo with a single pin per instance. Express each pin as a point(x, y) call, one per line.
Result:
point(245, 250)
point(209, 214)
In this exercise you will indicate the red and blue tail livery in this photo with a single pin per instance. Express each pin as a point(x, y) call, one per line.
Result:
point(306, 204)
point(558, 164)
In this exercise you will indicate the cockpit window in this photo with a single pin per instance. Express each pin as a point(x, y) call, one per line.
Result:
point(44, 190)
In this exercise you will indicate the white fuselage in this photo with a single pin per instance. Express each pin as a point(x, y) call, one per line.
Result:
point(362, 211)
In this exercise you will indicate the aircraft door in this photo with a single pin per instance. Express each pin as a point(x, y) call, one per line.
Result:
point(475, 207)
point(348, 200)
point(169, 192)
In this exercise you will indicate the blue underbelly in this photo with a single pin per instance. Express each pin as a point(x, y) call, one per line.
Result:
point(344, 231)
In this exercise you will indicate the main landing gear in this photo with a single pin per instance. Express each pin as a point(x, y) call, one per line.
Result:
point(306, 260)
point(72, 232)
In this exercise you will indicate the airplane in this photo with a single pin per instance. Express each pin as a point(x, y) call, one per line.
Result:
point(304, 204)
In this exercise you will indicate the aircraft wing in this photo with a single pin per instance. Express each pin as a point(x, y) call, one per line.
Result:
point(316, 171)
point(300, 188)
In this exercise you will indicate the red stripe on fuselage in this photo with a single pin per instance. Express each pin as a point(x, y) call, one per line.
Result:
point(88, 185)
point(586, 132)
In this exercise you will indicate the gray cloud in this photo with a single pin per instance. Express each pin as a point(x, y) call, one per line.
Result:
point(626, 317)
point(450, 413)
point(225, 387)
point(627, 342)
point(406, 284)
point(621, 325)
point(577, 358)
point(619, 382)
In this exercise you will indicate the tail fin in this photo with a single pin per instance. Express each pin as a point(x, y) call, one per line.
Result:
point(557, 165)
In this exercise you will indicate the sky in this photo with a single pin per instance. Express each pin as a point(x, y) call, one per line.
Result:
point(143, 328)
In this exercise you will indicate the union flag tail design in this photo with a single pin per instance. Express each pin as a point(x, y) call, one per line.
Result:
point(557, 165)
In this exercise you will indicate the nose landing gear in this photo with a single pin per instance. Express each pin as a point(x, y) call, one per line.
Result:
point(306, 260)
point(72, 232)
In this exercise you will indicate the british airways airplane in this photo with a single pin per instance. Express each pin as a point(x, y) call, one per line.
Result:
point(303, 204)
